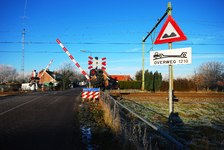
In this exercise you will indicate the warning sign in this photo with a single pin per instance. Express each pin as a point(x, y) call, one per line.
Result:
point(170, 32)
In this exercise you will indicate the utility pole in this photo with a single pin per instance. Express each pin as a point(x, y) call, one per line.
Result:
point(23, 40)
point(170, 85)
point(143, 66)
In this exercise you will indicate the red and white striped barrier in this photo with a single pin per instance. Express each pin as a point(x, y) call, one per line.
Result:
point(84, 73)
point(46, 69)
point(90, 94)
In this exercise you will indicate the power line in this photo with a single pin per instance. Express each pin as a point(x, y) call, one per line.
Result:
point(125, 22)
point(113, 33)
point(136, 20)
point(195, 22)
point(125, 43)
point(98, 52)
point(87, 27)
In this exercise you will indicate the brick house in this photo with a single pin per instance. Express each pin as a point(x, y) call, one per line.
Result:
point(49, 76)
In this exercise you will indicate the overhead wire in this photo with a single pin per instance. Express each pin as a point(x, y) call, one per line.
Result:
point(86, 27)
point(89, 27)
point(126, 43)
point(137, 20)
point(113, 33)
point(97, 52)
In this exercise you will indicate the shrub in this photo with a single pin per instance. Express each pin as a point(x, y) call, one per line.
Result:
point(179, 85)
point(129, 84)
point(164, 86)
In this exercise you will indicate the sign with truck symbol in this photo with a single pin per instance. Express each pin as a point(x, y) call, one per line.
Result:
point(179, 56)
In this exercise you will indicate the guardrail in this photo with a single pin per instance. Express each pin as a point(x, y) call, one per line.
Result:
point(134, 128)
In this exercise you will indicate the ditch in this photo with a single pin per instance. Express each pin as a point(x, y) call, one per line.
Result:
point(95, 133)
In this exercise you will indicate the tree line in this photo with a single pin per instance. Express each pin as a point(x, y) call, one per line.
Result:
point(8, 74)
point(152, 81)
point(207, 76)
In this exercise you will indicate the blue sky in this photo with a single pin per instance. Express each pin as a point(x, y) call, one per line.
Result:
point(106, 28)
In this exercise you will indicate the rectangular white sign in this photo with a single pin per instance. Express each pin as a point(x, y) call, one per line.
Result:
point(181, 56)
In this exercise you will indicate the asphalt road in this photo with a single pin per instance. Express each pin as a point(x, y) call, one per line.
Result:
point(40, 120)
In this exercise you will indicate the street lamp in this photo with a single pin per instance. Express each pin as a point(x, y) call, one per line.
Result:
point(85, 51)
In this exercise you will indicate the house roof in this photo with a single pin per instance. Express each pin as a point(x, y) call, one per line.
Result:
point(51, 74)
point(120, 77)
point(221, 83)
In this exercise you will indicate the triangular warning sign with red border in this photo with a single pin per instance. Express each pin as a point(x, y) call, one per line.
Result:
point(170, 32)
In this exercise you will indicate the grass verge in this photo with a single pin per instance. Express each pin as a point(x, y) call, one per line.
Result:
point(96, 133)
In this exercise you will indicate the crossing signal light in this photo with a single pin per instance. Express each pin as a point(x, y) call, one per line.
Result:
point(93, 72)
point(100, 72)
point(35, 78)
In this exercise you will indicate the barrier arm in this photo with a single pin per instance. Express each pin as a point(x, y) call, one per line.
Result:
point(46, 69)
point(72, 58)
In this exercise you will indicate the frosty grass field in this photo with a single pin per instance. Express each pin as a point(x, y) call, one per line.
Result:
point(196, 125)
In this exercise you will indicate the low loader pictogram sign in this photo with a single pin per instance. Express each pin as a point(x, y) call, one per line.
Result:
point(170, 32)
point(180, 56)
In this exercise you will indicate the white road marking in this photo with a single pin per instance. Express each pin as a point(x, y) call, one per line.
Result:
point(18, 106)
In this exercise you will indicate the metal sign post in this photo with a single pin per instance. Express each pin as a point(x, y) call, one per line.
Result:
point(143, 65)
point(170, 96)
point(169, 33)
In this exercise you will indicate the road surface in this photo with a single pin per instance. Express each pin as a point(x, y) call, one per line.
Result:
point(40, 120)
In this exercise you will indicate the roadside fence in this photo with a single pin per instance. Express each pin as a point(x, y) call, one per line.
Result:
point(133, 129)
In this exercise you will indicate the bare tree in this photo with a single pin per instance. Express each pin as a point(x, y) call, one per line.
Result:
point(166, 77)
point(211, 73)
point(198, 79)
point(66, 70)
point(77, 75)
point(7, 73)
point(22, 78)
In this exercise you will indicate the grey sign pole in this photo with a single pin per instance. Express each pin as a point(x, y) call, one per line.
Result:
point(170, 97)
point(170, 87)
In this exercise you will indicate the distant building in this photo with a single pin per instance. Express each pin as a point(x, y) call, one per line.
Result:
point(121, 77)
point(113, 79)
point(49, 76)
